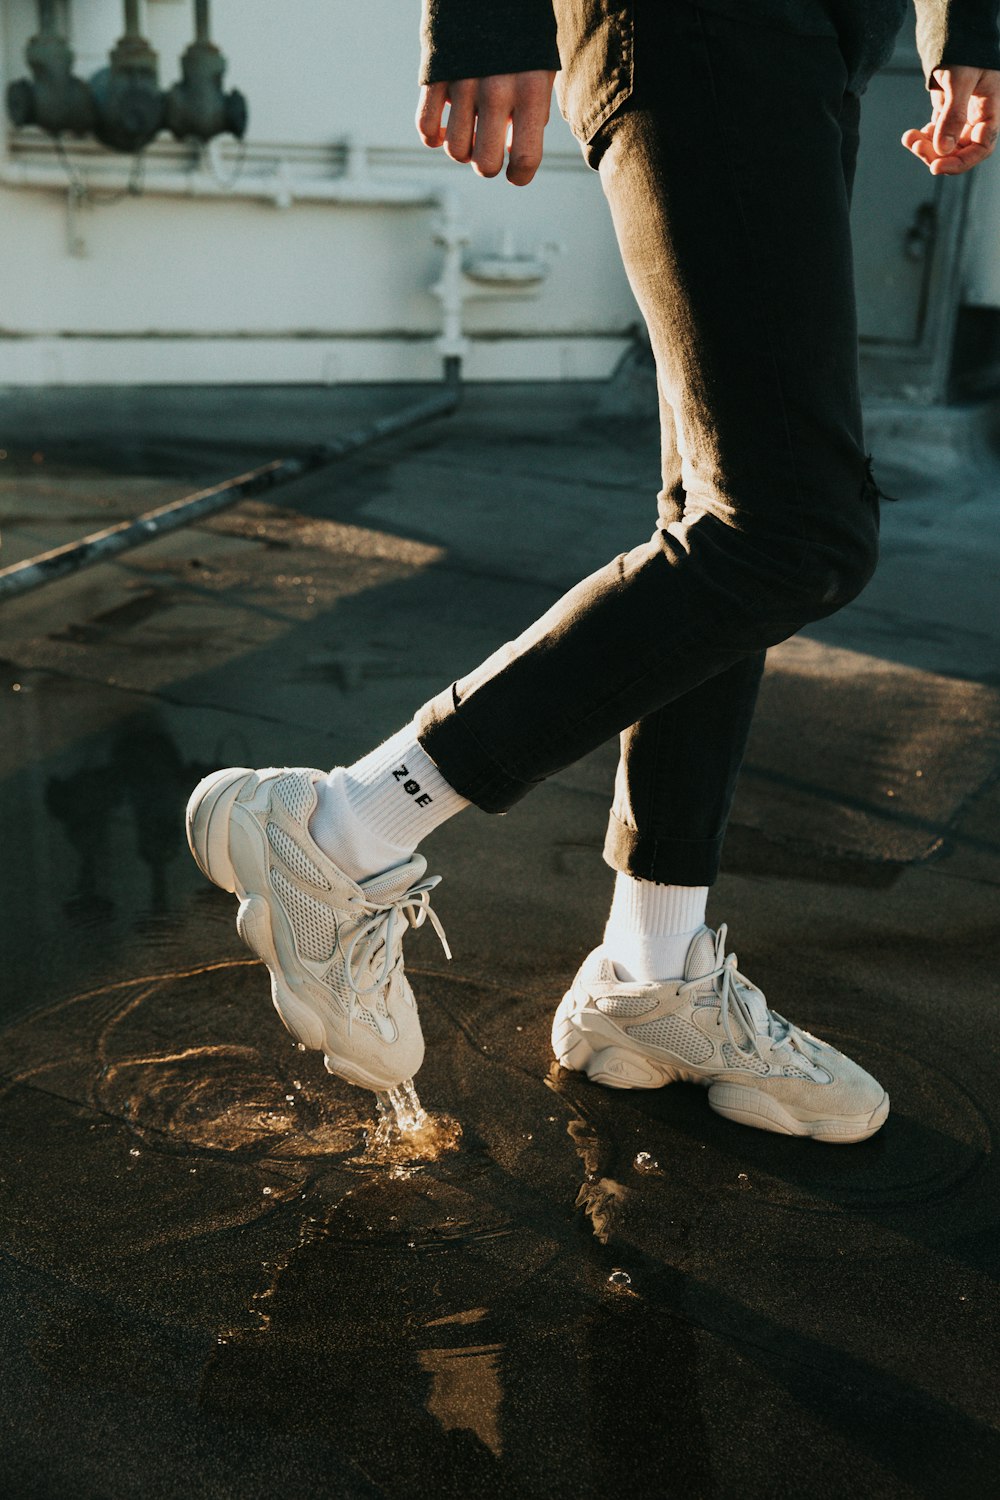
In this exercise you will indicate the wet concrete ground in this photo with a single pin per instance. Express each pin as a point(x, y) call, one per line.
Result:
point(208, 1288)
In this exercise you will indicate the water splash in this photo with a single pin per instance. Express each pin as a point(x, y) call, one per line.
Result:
point(399, 1109)
point(405, 1134)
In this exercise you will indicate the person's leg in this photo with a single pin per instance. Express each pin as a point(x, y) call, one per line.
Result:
point(679, 765)
point(736, 240)
point(673, 792)
point(765, 399)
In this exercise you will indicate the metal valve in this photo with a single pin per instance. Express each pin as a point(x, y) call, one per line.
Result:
point(123, 104)
point(55, 100)
point(127, 96)
point(198, 105)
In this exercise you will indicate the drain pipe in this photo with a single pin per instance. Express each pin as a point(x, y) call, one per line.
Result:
point(101, 546)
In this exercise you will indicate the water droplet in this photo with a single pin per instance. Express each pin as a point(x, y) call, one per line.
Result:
point(192, 1170)
point(411, 1244)
point(645, 1161)
point(301, 1046)
point(518, 1028)
point(296, 1083)
point(134, 1151)
point(289, 1098)
point(267, 1190)
point(619, 1277)
point(742, 1177)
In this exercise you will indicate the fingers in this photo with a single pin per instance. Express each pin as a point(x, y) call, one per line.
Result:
point(976, 145)
point(965, 124)
point(953, 114)
point(430, 110)
point(531, 115)
point(485, 117)
point(461, 119)
point(920, 143)
point(496, 105)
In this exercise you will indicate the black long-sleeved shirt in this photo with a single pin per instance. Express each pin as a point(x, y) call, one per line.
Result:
point(473, 38)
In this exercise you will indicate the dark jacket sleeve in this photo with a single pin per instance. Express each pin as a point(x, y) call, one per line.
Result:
point(958, 32)
point(470, 39)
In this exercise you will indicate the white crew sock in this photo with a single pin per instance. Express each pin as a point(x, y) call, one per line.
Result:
point(372, 815)
point(650, 927)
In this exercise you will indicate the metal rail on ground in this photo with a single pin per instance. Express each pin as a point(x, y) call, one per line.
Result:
point(100, 546)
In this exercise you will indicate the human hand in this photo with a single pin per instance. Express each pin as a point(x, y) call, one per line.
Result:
point(505, 111)
point(965, 123)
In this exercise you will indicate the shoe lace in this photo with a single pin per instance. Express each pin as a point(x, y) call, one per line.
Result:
point(731, 987)
point(382, 929)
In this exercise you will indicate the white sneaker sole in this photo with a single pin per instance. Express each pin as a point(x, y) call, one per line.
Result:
point(208, 814)
point(620, 1067)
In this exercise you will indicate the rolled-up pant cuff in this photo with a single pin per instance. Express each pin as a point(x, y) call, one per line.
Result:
point(667, 861)
point(465, 764)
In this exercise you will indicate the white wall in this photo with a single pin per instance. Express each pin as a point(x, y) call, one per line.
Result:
point(169, 288)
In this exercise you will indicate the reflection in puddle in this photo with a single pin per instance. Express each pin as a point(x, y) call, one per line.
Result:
point(602, 1202)
point(601, 1196)
point(465, 1390)
point(141, 772)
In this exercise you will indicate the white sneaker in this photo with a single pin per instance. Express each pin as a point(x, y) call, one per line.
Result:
point(333, 945)
point(714, 1027)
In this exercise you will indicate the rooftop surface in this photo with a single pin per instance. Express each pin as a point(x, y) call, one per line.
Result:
point(209, 1287)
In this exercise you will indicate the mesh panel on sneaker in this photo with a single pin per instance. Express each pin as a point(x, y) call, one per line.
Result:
point(626, 1005)
point(334, 981)
point(343, 998)
point(364, 1017)
point(740, 1059)
point(296, 795)
point(683, 1039)
point(314, 922)
point(295, 858)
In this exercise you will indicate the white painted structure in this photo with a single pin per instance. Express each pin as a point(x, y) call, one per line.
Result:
point(335, 248)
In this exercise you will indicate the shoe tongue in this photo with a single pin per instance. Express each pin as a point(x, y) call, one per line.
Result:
point(394, 882)
point(757, 1009)
point(701, 961)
